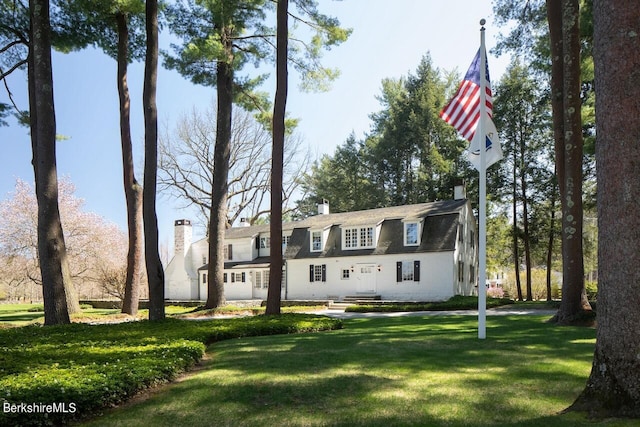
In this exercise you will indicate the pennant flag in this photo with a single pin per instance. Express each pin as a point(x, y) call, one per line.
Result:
point(463, 111)
point(492, 145)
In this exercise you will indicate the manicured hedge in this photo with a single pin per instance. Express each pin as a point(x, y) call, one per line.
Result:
point(454, 303)
point(81, 368)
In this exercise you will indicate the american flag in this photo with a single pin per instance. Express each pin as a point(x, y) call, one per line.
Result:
point(463, 111)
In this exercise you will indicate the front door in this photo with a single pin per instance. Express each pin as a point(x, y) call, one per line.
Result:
point(366, 278)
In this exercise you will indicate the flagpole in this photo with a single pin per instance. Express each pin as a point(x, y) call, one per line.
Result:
point(482, 252)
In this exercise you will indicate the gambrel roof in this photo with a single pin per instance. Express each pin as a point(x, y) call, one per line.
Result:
point(439, 230)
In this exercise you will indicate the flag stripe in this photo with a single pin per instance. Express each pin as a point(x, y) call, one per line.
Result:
point(463, 111)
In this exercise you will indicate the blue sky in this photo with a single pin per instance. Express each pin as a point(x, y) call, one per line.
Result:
point(386, 42)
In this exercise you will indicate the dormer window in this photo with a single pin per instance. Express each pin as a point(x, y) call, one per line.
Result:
point(411, 233)
point(358, 237)
point(316, 241)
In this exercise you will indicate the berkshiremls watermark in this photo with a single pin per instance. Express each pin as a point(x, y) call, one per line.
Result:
point(39, 408)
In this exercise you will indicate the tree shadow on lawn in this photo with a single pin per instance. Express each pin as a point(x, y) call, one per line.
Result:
point(364, 374)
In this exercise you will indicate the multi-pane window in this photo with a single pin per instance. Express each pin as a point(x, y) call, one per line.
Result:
point(265, 242)
point(316, 241)
point(411, 234)
point(366, 237)
point(318, 273)
point(407, 271)
point(351, 238)
point(261, 280)
point(358, 238)
point(227, 252)
point(346, 274)
point(285, 242)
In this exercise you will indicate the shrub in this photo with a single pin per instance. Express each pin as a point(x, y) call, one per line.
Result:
point(457, 302)
point(495, 293)
point(101, 365)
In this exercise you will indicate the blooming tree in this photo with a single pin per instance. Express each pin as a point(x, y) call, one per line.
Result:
point(96, 248)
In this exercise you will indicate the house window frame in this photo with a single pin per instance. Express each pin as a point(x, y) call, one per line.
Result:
point(346, 274)
point(316, 237)
point(317, 273)
point(418, 229)
point(360, 237)
point(265, 242)
point(408, 271)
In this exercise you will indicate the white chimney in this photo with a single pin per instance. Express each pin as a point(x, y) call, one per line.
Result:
point(244, 222)
point(182, 236)
point(323, 207)
point(459, 191)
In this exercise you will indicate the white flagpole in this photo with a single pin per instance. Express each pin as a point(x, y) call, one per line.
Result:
point(482, 252)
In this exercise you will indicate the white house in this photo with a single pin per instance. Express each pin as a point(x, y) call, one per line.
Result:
point(422, 252)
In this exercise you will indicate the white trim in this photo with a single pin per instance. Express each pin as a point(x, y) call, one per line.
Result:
point(358, 238)
point(311, 240)
point(418, 232)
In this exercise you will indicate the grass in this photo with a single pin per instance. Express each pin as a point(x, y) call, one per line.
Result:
point(399, 371)
point(93, 366)
point(25, 314)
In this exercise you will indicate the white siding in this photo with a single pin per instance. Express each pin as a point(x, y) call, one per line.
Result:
point(435, 284)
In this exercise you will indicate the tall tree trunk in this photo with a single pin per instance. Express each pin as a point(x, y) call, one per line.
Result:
point(56, 278)
point(552, 232)
point(218, 217)
point(132, 189)
point(613, 388)
point(525, 220)
point(277, 159)
point(564, 32)
point(516, 254)
point(155, 272)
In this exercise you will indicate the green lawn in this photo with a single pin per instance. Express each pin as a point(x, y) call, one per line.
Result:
point(91, 367)
point(398, 371)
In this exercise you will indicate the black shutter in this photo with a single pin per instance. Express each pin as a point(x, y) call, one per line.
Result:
point(224, 277)
point(416, 271)
point(311, 273)
point(233, 277)
point(399, 271)
point(243, 277)
point(324, 272)
point(230, 252)
point(257, 242)
point(204, 278)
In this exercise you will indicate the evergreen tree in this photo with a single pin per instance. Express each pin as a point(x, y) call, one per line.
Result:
point(220, 37)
